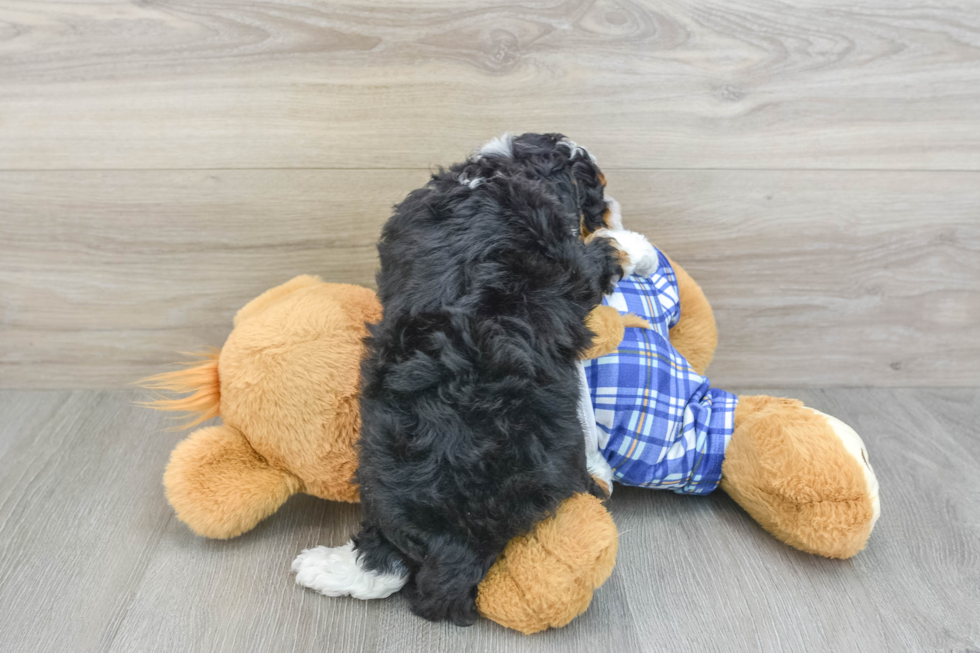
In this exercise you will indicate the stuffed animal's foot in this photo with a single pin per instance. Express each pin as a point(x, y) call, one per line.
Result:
point(220, 487)
point(546, 578)
point(337, 571)
point(609, 327)
point(803, 475)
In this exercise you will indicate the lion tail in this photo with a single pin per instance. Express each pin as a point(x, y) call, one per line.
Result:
point(198, 382)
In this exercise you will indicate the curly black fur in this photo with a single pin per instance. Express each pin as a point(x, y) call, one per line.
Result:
point(470, 434)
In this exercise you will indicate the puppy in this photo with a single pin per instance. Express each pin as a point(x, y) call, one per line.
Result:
point(469, 406)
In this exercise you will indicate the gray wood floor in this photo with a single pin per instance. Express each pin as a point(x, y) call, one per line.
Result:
point(92, 559)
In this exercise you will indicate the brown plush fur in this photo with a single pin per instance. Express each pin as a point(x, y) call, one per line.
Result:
point(609, 327)
point(546, 578)
point(220, 487)
point(287, 383)
point(290, 381)
point(695, 335)
point(788, 470)
point(258, 305)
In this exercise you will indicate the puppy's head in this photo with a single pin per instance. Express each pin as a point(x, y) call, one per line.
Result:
point(565, 167)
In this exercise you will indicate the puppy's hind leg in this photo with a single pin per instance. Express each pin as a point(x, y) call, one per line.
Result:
point(367, 567)
point(445, 586)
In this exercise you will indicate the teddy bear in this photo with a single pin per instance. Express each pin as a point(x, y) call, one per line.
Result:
point(286, 386)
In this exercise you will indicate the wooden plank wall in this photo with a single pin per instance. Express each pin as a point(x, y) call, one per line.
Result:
point(816, 165)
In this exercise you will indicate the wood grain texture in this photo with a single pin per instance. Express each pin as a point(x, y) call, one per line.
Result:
point(304, 83)
point(825, 278)
point(817, 277)
point(813, 164)
point(91, 558)
point(107, 275)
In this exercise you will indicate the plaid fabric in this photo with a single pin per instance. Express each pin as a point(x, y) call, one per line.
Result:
point(661, 424)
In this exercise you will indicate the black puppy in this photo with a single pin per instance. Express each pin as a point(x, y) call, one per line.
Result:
point(470, 386)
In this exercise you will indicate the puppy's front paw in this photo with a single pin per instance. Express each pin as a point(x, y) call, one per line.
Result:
point(337, 571)
point(638, 255)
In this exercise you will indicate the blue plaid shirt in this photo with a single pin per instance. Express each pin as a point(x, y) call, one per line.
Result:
point(660, 423)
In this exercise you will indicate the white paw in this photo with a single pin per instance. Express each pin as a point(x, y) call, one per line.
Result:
point(337, 572)
point(643, 259)
point(855, 446)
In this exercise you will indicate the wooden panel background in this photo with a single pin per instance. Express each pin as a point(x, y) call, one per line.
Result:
point(815, 165)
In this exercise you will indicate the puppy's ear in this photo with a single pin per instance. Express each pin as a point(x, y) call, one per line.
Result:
point(591, 184)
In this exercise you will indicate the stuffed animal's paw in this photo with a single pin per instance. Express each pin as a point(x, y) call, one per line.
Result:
point(546, 578)
point(220, 486)
point(803, 475)
point(609, 327)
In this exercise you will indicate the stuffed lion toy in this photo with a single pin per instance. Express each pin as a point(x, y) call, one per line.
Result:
point(286, 386)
